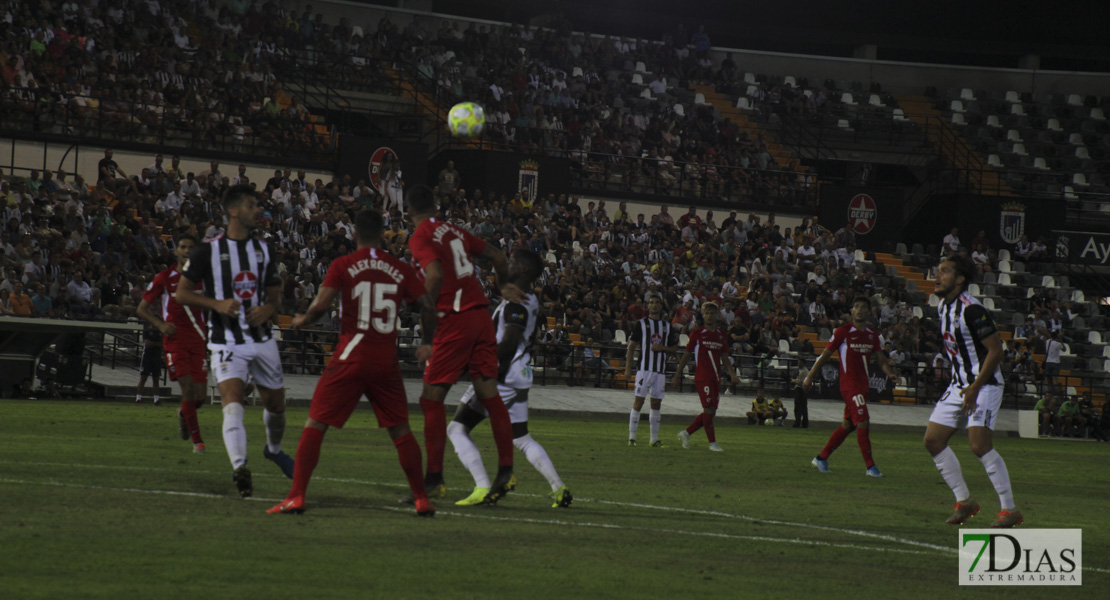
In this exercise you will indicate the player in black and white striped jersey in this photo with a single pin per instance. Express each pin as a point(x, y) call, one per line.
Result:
point(242, 293)
point(656, 339)
point(974, 349)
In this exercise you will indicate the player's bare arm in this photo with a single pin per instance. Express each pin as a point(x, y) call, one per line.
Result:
point(428, 321)
point(681, 366)
point(144, 313)
point(887, 368)
point(509, 291)
point(320, 305)
point(187, 296)
point(994, 357)
point(628, 359)
point(821, 360)
point(257, 315)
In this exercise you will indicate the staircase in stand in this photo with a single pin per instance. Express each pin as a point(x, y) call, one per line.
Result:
point(949, 140)
point(783, 156)
point(907, 272)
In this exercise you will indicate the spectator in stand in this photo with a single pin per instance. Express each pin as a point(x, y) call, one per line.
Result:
point(951, 243)
point(1053, 348)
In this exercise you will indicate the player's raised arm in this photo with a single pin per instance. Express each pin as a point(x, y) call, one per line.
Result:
point(510, 291)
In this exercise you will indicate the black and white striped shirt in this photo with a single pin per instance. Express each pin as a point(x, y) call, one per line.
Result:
point(239, 269)
point(648, 333)
point(964, 324)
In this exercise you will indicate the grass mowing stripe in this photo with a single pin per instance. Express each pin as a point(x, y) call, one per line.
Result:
point(558, 522)
point(711, 513)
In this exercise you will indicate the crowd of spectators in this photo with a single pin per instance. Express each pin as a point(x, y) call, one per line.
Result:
point(212, 73)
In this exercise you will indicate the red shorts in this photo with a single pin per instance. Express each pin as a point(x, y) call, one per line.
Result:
point(343, 384)
point(709, 393)
point(187, 361)
point(463, 342)
point(855, 405)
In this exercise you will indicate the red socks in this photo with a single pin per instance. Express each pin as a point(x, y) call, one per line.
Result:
point(863, 436)
point(696, 425)
point(710, 431)
point(835, 440)
point(502, 431)
point(189, 412)
point(308, 454)
point(408, 451)
point(435, 432)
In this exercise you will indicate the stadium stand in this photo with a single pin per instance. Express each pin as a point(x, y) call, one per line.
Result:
point(632, 116)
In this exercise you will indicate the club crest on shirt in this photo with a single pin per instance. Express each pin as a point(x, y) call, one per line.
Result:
point(245, 285)
point(950, 343)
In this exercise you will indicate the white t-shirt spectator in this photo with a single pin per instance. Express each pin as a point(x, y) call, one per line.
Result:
point(83, 292)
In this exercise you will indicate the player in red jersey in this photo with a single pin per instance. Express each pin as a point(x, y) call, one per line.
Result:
point(855, 343)
point(709, 346)
point(185, 335)
point(371, 285)
point(465, 340)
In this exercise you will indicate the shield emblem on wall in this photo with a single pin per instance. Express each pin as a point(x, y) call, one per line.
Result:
point(528, 179)
point(1011, 225)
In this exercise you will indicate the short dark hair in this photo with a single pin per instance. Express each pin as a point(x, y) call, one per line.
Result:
point(421, 199)
point(368, 225)
point(235, 195)
point(964, 267)
point(863, 299)
point(185, 236)
point(531, 260)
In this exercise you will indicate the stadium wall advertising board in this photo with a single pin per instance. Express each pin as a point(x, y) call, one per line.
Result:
point(506, 172)
point(875, 214)
point(1083, 248)
point(360, 158)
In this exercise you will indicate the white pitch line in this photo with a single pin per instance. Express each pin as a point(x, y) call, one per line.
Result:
point(797, 541)
point(857, 532)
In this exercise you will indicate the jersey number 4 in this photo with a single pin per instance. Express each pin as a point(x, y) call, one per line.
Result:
point(463, 267)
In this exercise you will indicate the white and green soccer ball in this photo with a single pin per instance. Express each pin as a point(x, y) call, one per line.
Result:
point(768, 421)
point(466, 119)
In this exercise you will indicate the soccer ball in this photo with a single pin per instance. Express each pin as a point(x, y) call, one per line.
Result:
point(768, 421)
point(466, 119)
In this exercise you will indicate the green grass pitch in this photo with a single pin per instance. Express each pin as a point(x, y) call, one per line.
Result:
point(103, 500)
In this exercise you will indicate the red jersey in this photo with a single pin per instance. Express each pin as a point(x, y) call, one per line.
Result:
point(708, 346)
point(372, 284)
point(855, 346)
point(192, 330)
point(436, 240)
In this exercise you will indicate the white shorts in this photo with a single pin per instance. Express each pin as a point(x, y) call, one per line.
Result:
point(650, 384)
point(515, 400)
point(259, 361)
point(947, 410)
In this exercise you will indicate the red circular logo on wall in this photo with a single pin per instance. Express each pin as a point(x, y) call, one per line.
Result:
point(375, 167)
point(862, 214)
point(246, 284)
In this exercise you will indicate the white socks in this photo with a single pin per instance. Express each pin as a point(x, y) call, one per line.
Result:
point(949, 467)
point(1000, 478)
point(468, 453)
point(633, 423)
point(536, 455)
point(235, 435)
point(275, 429)
point(654, 418)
